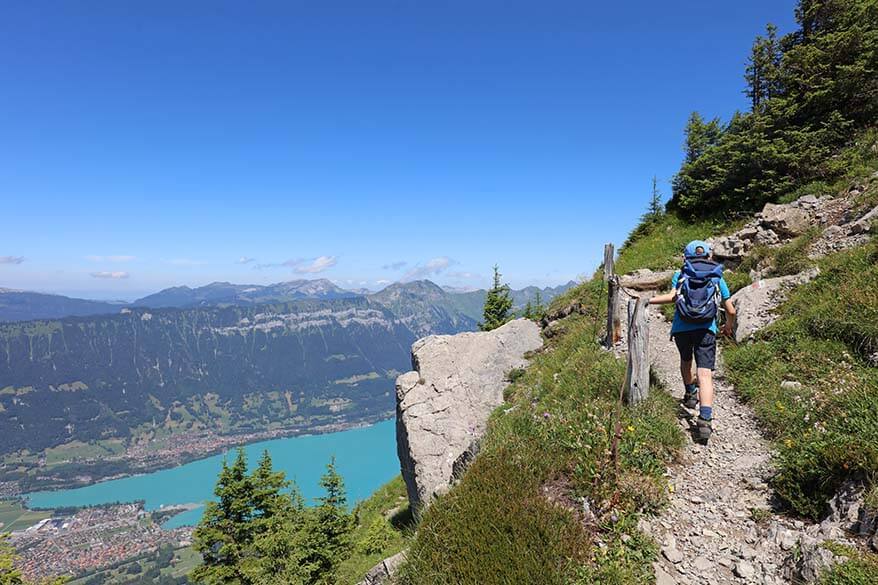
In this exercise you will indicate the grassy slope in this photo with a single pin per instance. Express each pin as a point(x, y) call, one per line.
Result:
point(496, 528)
point(826, 430)
point(515, 516)
point(383, 527)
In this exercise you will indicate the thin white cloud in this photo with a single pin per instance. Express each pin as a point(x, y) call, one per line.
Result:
point(185, 262)
point(463, 275)
point(245, 260)
point(312, 266)
point(382, 282)
point(11, 259)
point(117, 258)
point(395, 265)
point(115, 275)
point(431, 267)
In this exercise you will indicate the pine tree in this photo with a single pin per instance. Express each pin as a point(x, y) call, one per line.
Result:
point(656, 209)
point(9, 575)
point(528, 311)
point(498, 304)
point(267, 485)
point(328, 533)
point(225, 532)
point(700, 136)
point(538, 309)
point(763, 69)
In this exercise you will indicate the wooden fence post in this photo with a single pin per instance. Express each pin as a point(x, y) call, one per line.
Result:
point(638, 352)
point(614, 326)
point(609, 262)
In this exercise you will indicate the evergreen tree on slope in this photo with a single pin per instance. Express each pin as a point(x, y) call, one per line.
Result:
point(498, 304)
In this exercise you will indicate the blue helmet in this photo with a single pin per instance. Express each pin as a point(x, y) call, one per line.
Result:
point(691, 249)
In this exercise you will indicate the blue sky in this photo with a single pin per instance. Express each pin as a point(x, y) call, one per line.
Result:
point(152, 144)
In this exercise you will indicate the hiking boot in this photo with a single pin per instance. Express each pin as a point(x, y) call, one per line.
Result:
point(690, 399)
point(704, 428)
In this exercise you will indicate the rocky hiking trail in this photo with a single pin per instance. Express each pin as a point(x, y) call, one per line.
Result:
point(707, 533)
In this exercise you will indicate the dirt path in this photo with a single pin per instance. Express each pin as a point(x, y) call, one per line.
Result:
point(708, 533)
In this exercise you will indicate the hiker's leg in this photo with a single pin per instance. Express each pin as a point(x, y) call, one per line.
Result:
point(686, 372)
point(705, 361)
point(705, 387)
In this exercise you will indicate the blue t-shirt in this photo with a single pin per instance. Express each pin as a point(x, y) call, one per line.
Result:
point(679, 325)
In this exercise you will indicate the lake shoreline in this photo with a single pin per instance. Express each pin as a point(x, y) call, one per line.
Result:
point(231, 441)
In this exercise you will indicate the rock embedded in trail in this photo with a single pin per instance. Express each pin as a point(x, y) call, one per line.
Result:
point(442, 407)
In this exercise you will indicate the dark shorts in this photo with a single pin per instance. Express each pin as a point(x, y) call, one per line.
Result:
point(702, 343)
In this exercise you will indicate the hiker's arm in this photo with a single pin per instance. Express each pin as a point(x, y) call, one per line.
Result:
point(664, 299)
point(731, 315)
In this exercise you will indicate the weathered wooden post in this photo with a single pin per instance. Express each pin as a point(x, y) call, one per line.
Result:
point(609, 262)
point(614, 326)
point(638, 352)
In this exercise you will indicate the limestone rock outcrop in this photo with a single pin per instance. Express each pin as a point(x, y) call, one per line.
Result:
point(842, 226)
point(442, 407)
point(756, 303)
point(646, 279)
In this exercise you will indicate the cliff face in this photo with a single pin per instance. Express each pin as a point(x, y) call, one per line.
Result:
point(442, 407)
point(99, 377)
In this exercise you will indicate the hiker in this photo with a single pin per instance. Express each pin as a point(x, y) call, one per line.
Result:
point(698, 290)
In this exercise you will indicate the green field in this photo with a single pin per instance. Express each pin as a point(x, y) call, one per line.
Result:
point(13, 516)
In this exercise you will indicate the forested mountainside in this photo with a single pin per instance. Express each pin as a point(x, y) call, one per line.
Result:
point(100, 377)
point(224, 366)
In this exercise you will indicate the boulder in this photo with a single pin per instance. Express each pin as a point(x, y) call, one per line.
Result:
point(787, 220)
point(646, 279)
point(866, 223)
point(767, 237)
point(384, 570)
point(442, 407)
point(755, 303)
point(732, 249)
point(811, 562)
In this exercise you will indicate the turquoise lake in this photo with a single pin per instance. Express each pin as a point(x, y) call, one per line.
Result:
point(365, 457)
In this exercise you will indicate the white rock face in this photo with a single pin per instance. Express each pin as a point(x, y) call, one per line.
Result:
point(756, 303)
point(443, 406)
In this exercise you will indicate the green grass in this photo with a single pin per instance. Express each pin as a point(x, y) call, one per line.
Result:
point(13, 516)
point(515, 517)
point(860, 569)
point(826, 431)
point(791, 258)
point(382, 530)
point(661, 246)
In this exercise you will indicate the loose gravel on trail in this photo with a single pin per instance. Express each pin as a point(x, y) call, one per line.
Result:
point(710, 533)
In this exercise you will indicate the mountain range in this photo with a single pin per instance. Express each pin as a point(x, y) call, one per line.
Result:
point(17, 305)
point(222, 359)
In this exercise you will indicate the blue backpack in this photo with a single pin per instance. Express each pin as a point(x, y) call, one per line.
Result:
point(698, 290)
